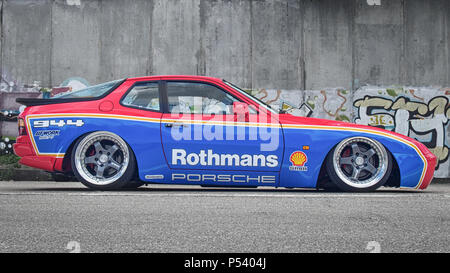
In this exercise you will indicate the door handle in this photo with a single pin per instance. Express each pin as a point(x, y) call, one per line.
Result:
point(173, 124)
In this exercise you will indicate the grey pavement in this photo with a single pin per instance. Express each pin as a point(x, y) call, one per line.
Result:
point(47, 216)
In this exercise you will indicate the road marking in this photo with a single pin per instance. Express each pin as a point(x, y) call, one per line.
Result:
point(234, 195)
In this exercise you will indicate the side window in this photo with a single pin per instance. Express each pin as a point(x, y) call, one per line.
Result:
point(198, 98)
point(143, 95)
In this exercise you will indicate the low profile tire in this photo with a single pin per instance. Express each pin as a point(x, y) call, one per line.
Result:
point(133, 185)
point(103, 161)
point(359, 164)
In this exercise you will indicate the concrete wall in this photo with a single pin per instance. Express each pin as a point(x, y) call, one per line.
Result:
point(287, 44)
point(321, 56)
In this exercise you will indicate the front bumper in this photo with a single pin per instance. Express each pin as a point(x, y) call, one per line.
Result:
point(431, 165)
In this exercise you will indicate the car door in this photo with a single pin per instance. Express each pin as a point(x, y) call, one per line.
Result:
point(202, 134)
point(142, 111)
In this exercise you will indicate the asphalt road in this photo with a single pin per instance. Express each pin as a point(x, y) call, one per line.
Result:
point(62, 217)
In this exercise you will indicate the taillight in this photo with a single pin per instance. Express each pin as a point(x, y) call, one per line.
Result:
point(22, 128)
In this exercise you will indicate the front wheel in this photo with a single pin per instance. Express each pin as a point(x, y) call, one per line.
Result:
point(103, 161)
point(359, 164)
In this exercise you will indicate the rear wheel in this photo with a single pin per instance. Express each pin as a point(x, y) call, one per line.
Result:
point(359, 164)
point(103, 161)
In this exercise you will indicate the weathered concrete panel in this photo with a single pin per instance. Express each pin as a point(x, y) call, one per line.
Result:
point(276, 44)
point(385, 14)
point(8, 99)
point(328, 43)
point(426, 48)
point(8, 128)
point(378, 47)
point(176, 37)
point(1, 35)
point(125, 35)
point(225, 32)
point(76, 41)
point(422, 113)
point(26, 41)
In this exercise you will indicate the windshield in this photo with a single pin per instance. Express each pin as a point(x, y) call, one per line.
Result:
point(255, 99)
point(88, 92)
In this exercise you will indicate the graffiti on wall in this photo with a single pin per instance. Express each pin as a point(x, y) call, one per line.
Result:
point(290, 101)
point(329, 103)
point(421, 113)
point(408, 111)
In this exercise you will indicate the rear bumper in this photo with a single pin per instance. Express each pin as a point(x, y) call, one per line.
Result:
point(40, 162)
point(24, 149)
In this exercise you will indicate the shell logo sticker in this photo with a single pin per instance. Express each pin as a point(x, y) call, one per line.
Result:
point(298, 160)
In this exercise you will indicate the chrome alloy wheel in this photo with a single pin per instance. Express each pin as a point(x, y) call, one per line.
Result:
point(360, 162)
point(101, 158)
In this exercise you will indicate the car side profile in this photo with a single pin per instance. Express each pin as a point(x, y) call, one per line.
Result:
point(198, 130)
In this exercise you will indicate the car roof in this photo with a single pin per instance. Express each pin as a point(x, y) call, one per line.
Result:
point(168, 77)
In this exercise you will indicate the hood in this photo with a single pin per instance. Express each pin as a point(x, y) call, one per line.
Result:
point(287, 119)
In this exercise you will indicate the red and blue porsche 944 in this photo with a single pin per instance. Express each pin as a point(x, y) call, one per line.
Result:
point(207, 131)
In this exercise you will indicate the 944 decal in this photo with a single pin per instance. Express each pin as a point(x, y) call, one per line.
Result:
point(57, 123)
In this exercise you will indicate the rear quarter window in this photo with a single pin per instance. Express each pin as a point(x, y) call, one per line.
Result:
point(143, 96)
point(94, 91)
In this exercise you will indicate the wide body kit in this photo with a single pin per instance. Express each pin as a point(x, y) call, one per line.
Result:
point(287, 151)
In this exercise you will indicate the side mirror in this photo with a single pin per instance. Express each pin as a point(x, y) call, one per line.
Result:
point(240, 110)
